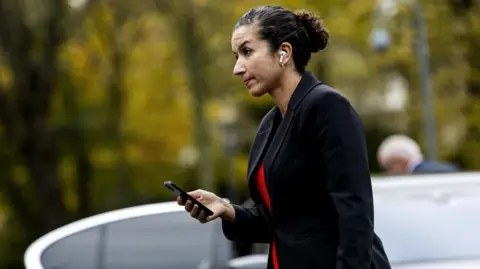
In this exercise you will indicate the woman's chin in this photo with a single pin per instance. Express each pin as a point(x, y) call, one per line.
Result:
point(256, 92)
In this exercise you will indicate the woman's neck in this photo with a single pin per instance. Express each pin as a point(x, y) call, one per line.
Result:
point(281, 95)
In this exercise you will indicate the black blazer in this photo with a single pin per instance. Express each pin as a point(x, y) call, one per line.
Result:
point(317, 176)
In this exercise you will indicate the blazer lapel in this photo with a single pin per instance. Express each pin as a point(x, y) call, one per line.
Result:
point(265, 133)
point(277, 141)
point(261, 140)
point(306, 84)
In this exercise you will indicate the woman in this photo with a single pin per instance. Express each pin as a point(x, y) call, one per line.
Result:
point(308, 169)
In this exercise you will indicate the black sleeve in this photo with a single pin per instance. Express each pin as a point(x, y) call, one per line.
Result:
point(251, 225)
point(339, 132)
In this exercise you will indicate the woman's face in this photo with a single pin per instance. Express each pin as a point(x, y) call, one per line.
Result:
point(259, 69)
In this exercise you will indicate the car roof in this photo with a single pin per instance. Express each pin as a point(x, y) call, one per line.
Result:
point(406, 182)
point(32, 257)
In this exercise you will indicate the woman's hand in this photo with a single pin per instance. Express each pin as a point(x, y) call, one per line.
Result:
point(218, 206)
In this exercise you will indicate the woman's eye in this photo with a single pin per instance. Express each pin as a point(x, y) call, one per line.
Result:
point(247, 52)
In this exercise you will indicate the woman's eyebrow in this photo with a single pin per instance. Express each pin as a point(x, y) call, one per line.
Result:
point(243, 44)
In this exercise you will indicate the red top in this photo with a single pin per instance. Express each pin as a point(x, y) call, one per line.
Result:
point(262, 188)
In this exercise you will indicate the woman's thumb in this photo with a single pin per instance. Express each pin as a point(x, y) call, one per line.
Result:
point(196, 194)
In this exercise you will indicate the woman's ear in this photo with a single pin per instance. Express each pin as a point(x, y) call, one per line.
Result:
point(285, 53)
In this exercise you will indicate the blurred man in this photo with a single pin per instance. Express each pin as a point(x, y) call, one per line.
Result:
point(399, 154)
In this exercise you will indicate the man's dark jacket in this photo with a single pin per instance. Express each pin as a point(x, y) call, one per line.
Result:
point(430, 167)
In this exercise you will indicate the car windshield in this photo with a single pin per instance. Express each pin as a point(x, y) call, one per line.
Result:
point(429, 227)
point(170, 240)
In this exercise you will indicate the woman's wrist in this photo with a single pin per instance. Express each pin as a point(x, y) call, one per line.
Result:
point(229, 214)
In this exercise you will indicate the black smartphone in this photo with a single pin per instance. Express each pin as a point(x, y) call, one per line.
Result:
point(179, 192)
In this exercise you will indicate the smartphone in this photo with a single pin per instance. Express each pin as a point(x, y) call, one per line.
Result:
point(179, 192)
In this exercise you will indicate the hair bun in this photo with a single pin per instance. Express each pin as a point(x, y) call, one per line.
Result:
point(316, 31)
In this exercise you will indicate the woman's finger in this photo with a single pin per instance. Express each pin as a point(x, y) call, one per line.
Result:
point(180, 201)
point(202, 216)
point(194, 212)
point(188, 206)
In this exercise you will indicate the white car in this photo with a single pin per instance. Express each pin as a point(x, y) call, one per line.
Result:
point(425, 222)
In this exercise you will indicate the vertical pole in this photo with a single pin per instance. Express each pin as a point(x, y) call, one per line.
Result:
point(422, 51)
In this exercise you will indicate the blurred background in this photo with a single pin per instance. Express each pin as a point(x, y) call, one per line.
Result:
point(101, 101)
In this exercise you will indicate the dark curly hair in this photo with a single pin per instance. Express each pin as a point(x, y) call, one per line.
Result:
point(302, 29)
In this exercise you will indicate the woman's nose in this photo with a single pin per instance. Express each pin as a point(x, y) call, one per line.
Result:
point(239, 68)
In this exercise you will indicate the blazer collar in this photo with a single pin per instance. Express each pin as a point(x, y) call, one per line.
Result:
point(307, 82)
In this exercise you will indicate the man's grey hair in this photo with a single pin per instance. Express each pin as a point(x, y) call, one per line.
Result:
point(400, 146)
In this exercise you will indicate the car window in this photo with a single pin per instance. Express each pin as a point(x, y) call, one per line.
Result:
point(78, 251)
point(171, 240)
point(424, 229)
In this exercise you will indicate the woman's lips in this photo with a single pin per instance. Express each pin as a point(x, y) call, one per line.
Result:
point(247, 82)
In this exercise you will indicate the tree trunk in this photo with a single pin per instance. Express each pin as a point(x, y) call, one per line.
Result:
point(116, 99)
point(194, 59)
point(26, 113)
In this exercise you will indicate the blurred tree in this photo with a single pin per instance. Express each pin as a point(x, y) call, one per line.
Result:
point(467, 33)
point(24, 107)
point(30, 42)
point(447, 64)
point(185, 15)
point(130, 60)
